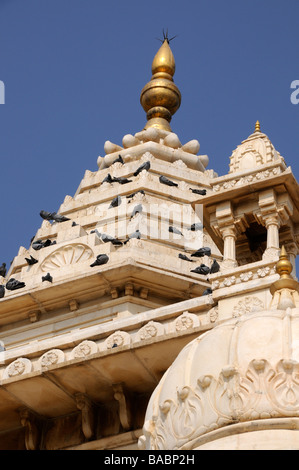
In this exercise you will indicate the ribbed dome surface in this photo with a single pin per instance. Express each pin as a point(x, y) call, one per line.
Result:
point(244, 370)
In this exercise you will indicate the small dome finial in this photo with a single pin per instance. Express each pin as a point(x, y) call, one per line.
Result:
point(160, 98)
point(286, 284)
point(257, 126)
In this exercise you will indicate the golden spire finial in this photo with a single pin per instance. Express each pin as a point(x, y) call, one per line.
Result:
point(160, 98)
point(257, 126)
point(286, 282)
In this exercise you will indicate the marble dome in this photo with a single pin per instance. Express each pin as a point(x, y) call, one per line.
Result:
point(232, 386)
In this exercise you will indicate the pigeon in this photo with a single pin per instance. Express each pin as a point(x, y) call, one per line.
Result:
point(107, 179)
point(2, 291)
point(204, 251)
point(13, 284)
point(38, 244)
point(133, 194)
point(184, 257)
point(202, 269)
point(109, 238)
point(119, 160)
point(46, 215)
point(47, 277)
point(174, 230)
point(202, 192)
point(207, 291)
point(100, 259)
point(59, 218)
point(115, 202)
point(137, 209)
point(215, 267)
point(136, 234)
point(145, 166)
point(196, 226)
point(74, 224)
point(31, 260)
point(166, 181)
point(121, 180)
point(3, 270)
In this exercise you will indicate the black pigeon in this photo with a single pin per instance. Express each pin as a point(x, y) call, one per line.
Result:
point(121, 180)
point(202, 269)
point(137, 209)
point(196, 226)
point(166, 181)
point(46, 215)
point(109, 238)
point(47, 277)
point(38, 244)
point(3, 270)
point(74, 224)
point(107, 179)
point(145, 166)
point(119, 160)
point(115, 202)
point(13, 284)
point(31, 260)
point(204, 251)
point(207, 291)
point(215, 267)
point(100, 259)
point(2, 291)
point(174, 230)
point(184, 257)
point(202, 192)
point(133, 194)
point(136, 234)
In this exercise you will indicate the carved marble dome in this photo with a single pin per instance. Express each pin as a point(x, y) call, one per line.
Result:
point(234, 387)
point(254, 151)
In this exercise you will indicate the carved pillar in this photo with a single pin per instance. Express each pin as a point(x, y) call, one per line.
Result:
point(272, 224)
point(292, 251)
point(229, 235)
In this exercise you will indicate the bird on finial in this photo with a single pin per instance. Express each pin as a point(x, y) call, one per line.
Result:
point(257, 126)
point(165, 37)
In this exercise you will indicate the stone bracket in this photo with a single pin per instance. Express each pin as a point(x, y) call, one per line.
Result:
point(124, 410)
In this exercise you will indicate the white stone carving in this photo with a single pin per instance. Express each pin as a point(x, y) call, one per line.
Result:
point(247, 305)
point(84, 349)
point(117, 339)
point(186, 321)
point(52, 357)
point(65, 256)
point(20, 366)
point(149, 331)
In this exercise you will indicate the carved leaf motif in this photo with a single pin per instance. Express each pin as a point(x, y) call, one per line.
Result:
point(65, 256)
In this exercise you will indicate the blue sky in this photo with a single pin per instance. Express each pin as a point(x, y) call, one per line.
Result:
point(73, 71)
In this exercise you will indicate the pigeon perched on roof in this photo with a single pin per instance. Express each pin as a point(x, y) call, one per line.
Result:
point(115, 202)
point(137, 210)
point(119, 160)
point(136, 234)
point(39, 244)
point(184, 257)
point(46, 215)
point(145, 166)
point(53, 216)
point(14, 284)
point(47, 277)
point(3, 269)
point(100, 259)
point(201, 192)
point(107, 179)
point(172, 229)
point(121, 180)
point(207, 291)
point(196, 226)
point(204, 251)
point(215, 267)
point(2, 291)
point(109, 238)
point(202, 269)
point(30, 261)
point(166, 181)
